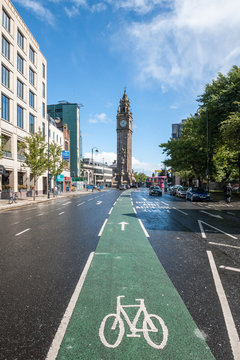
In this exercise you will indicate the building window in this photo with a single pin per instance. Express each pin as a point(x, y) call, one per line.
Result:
point(43, 110)
point(20, 117)
point(31, 54)
point(20, 64)
point(66, 145)
point(43, 129)
point(43, 89)
point(20, 89)
point(49, 133)
point(60, 141)
point(31, 123)
point(20, 39)
point(53, 135)
point(6, 21)
point(57, 138)
point(5, 48)
point(31, 76)
point(31, 98)
point(5, 107)
point(5, 76)
point(43, 71)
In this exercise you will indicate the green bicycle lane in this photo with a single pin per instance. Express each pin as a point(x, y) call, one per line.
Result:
point(125, 269)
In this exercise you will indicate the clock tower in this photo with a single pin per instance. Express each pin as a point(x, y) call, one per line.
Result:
point(124, 142)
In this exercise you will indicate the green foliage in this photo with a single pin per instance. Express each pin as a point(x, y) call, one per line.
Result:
point(2, 146)
point(140, 177)
point(56, 164)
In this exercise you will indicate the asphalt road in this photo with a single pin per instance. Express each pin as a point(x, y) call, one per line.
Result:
point(44, 250)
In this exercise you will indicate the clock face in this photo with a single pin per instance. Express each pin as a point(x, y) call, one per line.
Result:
point(123, 123)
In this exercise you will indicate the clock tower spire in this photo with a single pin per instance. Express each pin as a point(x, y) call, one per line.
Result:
point(124, 142)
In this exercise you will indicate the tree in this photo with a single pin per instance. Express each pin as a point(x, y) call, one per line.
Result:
point(56, 164)
point(2, 144)
point(34, 151)
point(140, 177)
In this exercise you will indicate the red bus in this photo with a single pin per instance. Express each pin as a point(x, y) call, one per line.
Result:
point(157, 180)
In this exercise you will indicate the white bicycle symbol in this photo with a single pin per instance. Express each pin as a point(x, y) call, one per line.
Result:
point(148, 325)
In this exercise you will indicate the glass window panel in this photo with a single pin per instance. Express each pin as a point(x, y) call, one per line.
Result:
point(19, 89)
point(5, 107)
point(20, 39)
point(6, 20)
point(31, 123)
point(31, 76)
point(5, 76)
point(20, 64)
point(20, 116)
point(31, 98)
point(5, 47)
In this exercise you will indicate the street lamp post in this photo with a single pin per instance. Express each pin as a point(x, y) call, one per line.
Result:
point(96, 150)
point(207, 171)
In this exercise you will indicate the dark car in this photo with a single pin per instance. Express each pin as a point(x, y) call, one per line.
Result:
point(155, 190)
point(196, 193)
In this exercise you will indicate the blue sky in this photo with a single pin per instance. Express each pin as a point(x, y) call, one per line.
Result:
point(162, 51)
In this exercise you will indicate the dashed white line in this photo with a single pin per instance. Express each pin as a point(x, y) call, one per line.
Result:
point(180, 211)
point(164, 203)
point(134, 210)
point(232, 246)
point(69, 202)
point(231, 328)
point(54, 349)
point(102, 228)
point(81, 203)
point(61, 213)
point(22, 232)
point(213, 215)
point(110, 211)
point(200, 222)
point(40, 215)
point(142, 226)
point(229, 268)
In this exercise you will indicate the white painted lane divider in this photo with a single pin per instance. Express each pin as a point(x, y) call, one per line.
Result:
point(213, 215)
point(99, 202)
point(22, 232)
point(200, 222)
point(110, 211)
point(61, 213)
point(40, 215)
point(180, 211)
point(134, 210)
point(231, 328)
point(81, 203)
point(144, 230)
point(123, 225)
point(232, 246)
point(54, 348)
point(102, 228)
point(69, 202)
point(229, 268)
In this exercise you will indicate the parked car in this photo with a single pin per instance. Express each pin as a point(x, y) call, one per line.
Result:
point(155, 190)
point(196, 193)
point(122, 187)
point(181, 192)
point(236, 187)
point(173, 189)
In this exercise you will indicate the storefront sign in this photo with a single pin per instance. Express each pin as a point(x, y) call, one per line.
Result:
point(66, 178)
point(60, 178)
point(65, 155)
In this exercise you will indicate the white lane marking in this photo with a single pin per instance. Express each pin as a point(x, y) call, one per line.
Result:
point(142, 226)
point(102, 228)
point(110, 211)
point(229, 268)
point(200, 222)
point(40, 215)
point(134, 210)
point(59, 208)
point(99, 202)
point(55, 346)
point(69, 202)
point(232, 332)
point(164, 203)
point(61, 213)
point(18, 222)
point(123, 225)
point(232, 246)
point(213, 215)
point(81, 203)
point(230, 213)
point(180, 211)
point(22, 232)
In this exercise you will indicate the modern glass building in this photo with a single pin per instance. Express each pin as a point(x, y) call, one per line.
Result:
point(69, 113)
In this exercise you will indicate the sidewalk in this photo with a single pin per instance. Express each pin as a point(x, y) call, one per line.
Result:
point(4, 204)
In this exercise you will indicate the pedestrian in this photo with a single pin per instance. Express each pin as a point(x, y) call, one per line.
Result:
point(228, 193)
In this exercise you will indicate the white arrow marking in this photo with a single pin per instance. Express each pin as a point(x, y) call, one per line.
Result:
point(216, 216)
point(99, 202)
point(221, 231)
point(123, 225)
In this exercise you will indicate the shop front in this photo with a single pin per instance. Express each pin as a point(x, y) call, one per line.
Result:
point(60, 183)
point(67, 183)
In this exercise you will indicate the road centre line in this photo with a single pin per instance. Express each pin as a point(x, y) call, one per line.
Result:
point(22, 232)
point(102, 228)
point(164, 203)
point(230, 213)
point(232, 332)
point(61, 213)
point(69, 202)
point(203, 232)
point(180, 211)
point(144, 230)
point(110, 211)
point(232, 246)
point(213, 215)
point(54, 348)
point(229, 268)
point(81, 203)
point(40, 214)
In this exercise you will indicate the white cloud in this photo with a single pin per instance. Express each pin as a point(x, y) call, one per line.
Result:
point(38, 9)
point(108, 157)
point(99, 118)
point(193, 41)
point(139, 6)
